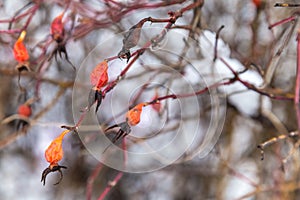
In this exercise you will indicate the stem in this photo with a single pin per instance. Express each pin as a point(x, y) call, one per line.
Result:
point(253, 87)
point(115, 181)
point(83, 29)
point(297, 86)
point(174, 96)
point(284, 21)
point(216, 42)
point(124, 146)
point(11, 31)
point(110, 185)
point(173, 17)
point(230, 81)
point(114, 2)
point(286, 5)
point(91, 180)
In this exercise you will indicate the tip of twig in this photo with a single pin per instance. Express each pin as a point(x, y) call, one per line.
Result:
point(286, 5)
point(276, 5)
point(261, 151)
point(70, 128)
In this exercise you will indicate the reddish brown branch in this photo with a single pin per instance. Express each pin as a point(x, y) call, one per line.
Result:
point(91, 180)
point(216, 42)
point(91, 24)
point(253, 87)
point(110, 185)
point(18, 17)
point(297, 86)
point(218, 84)
point(289, 19)
point(154, 41)
point(115, 181)
point(199, 92)
point(286, 5)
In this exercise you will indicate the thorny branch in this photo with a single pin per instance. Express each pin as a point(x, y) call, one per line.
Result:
point(91, 19)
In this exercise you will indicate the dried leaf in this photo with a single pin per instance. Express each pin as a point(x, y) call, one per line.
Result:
point(131, 39)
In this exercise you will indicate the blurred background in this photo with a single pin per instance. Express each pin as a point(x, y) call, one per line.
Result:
point(220, 158)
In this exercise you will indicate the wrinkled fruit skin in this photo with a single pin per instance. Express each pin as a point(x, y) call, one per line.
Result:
point(20, 52)
point(24, 110)
point(99, 76)
point(53, 154)
point(133, 116)
point(257, 2)
point(57, 29)
point(99, 79)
